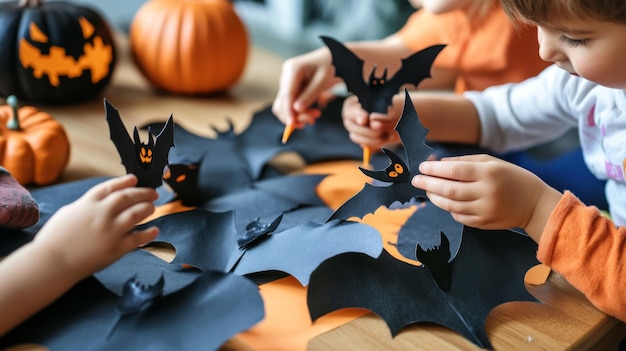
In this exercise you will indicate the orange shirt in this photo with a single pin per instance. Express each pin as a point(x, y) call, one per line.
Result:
point(588, 250)
point(487, 52)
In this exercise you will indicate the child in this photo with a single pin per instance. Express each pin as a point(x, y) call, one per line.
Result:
point(586, 39)
point(483, 49)
point(81, 238)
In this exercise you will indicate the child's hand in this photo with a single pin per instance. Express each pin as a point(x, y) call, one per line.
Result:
point(373, 130)
point(304, 80)
point(98, 228)
point(485, 192)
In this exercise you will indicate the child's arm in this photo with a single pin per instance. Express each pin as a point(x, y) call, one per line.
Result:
point(574, 240)
point(588, 250)
point(81, 238)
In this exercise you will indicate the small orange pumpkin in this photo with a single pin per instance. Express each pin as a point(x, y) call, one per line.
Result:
point(189, 46)
point(34, 147)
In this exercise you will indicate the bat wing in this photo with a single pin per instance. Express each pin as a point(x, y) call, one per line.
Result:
point(121, 139)
point(349, 67)
point(299, 250)
point(372, 197)
point(413, 70)
point(403, 294)
point(413, 136)
point(202, 239)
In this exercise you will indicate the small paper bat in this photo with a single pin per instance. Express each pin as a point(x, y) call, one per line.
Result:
point(375, 95)
point(146, 161)
point(399, 173)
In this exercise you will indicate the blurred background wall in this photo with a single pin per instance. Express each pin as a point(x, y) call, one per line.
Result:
point(291, 27)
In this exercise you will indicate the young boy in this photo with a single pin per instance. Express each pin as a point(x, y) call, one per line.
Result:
point(586, 41)
point(81, 238)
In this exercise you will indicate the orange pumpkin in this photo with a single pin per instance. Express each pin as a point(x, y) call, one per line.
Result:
point(189, 46)
point(34, 147)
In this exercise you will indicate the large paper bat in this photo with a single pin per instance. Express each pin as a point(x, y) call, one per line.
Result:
point(489, 270)
point(210, 241)
point(375, 95)
point(145, 160)
point(397, 175)
point(222, 305)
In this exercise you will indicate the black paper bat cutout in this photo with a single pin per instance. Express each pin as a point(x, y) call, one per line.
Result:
point(375, 95)
point(399, 173)
point(145, 160)
point(222, 304)
point(138, 296)
point(209, 241)
point(489, 270)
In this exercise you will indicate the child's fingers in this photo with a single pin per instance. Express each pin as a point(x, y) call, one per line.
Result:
point(445, 188)
point(140, 237)
point(134, 214)
point(463, 171)
point(121, 200)
point(102, 190)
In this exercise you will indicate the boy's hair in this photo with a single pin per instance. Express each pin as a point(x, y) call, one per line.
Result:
point(545, 11)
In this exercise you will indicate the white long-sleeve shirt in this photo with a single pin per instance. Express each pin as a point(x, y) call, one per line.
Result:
point(542, 108)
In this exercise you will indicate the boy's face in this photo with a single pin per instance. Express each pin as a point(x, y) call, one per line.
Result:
point(591, 49)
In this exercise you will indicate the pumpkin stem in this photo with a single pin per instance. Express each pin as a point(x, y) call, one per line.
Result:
point(29, 3)
point(14, 121)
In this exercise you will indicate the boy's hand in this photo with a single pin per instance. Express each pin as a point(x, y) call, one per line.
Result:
point(98, 228)
point(485, 192)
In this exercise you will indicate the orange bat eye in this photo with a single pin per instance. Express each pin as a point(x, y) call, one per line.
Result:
point(181, 178)
point(393, 174)
point(398, 167)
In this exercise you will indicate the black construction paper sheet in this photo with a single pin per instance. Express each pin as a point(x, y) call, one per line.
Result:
point(268, 197)
point(148, 268)
point(487, 271)
point(86, 318)
point(209, 241)
point(424, 228)
point(398, 173)
point(302, 248)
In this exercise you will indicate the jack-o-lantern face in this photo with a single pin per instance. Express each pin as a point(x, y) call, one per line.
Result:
point(396, 172)
point(144, 151)
point(97, 56)
point(54, 52)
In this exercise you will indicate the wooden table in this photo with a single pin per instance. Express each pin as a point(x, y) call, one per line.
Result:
point(565, 320)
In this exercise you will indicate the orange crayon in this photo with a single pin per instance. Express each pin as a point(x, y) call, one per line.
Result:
point(287, 132)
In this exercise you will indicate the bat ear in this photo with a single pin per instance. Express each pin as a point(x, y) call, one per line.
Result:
point(136, 137)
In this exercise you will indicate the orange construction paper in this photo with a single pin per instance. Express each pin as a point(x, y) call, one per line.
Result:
point(287, 325)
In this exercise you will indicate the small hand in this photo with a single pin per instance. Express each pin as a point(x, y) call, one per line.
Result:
point(304, 80)
point(372, 130)
point(485, 192)
point(98, 228)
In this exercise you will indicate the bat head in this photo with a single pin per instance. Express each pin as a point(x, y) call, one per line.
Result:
point(377, 81)
point(256, 231)
point(396, 172)
point(144, 151)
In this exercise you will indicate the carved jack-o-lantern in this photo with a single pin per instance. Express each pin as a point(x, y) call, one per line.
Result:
point(54, 52)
